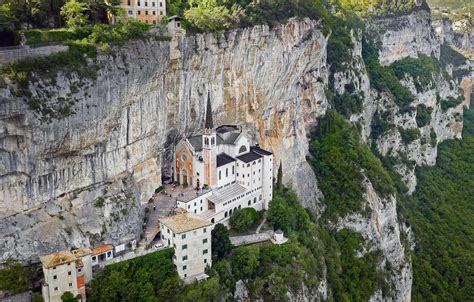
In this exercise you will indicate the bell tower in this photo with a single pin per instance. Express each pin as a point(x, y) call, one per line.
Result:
point(209, 148)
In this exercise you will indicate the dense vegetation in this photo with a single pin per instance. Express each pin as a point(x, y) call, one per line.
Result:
point(341, 163)
point(242, 219)
point(441, 213)
point(15, 278)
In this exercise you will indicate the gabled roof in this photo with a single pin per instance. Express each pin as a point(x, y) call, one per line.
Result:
point(224, 159)
point(228, 138)
point(260, 151)
point(249, 157)
point(196, 142)
point(57, 258)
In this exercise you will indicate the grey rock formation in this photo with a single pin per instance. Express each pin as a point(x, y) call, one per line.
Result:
point(147, 95)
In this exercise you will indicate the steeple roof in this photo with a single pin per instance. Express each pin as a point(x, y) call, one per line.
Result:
point(209, 124)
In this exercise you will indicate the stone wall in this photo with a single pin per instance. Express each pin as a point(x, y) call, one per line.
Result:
point(13, 54)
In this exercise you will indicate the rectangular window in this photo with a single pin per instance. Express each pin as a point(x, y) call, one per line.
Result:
point(226, 172)
point(130, 13)
point(146, 3)
point(183, 236)
point(129, 3)
point(205, 260)
point(153, 4)
point(161, 4)
point(154, 13)
point(185, 258)
point(56, 289)
point(204, 241)
point(138, 3)
point(232, 170)
point(161, 13)
point(55, 277)
point(204, 252)
point(185, 246)
point(138, 12)
point(146, 12)
point(69, 273)
point(70, 284)
point(184, 267)
point(204, 230)
point(220, 175)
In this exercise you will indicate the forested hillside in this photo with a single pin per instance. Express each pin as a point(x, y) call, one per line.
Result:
point(441, 213)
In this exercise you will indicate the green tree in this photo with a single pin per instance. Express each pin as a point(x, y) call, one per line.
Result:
point(279, 215)
point(245, 261)
point(14, 277)
point(69, 297)
point(75, 13)
point(210, 15)
point(6, 17)
point(221, 245)
point(279, 184)
point(244, 218)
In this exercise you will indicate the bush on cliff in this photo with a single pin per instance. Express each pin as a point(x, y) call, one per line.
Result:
point(242, 219)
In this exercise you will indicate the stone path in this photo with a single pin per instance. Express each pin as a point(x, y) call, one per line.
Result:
point(248, 239)
point(261, 224)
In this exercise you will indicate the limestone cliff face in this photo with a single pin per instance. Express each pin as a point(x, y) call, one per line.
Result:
point(147, 95)
point(82, 178)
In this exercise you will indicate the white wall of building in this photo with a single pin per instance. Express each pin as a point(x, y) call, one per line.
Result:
point(226, 174)
point(192, 249)
point(59, 280)
point(267, 176)
point(197, 205)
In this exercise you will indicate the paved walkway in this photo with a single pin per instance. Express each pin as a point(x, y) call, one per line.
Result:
point(248, 239)
point(261, 224)
point(130, 255)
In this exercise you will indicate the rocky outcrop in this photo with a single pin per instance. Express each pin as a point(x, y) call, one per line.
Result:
point(405, 35)
point(382, 230)
point(146, 95)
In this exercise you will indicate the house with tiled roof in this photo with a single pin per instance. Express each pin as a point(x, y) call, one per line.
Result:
point(190, 236)
point(66, 271)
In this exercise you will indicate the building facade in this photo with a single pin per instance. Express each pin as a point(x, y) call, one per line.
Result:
point(190, 236)
point(66, 272)
point(148, 11)
point(226, 171)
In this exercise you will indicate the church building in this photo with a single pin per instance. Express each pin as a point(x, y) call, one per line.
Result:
point(225, 170)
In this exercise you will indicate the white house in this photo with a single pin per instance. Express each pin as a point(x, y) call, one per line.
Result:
point(226, 171)
point(190, 236)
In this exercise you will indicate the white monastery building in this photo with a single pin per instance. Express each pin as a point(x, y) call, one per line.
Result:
point(190, 236)
point(226, 172)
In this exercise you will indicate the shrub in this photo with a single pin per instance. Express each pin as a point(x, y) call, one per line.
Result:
point(348, 104)
point(409, 135)
point(423, 115)
point(221, 245)
point(421, 69)
point(40, 36)
point(451, 102)
point(383, 78)
point(242, 219)
point(99, 202)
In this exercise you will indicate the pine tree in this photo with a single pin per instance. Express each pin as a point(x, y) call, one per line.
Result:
point(279, 185)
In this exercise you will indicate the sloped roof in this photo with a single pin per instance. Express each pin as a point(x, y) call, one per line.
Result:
point(102, 249)
point(184, 222)
point(228, 138)
point(57, 258)
point(196, 142)
point(227, 193)
point(224, 159)
point(260, 151)
point(82, 252)
point(249, 156)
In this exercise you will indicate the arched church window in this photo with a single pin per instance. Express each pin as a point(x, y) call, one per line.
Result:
point(206, 141)
point(184, 171)
point(184, 158)
point(243, 149)
point(213, 141)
